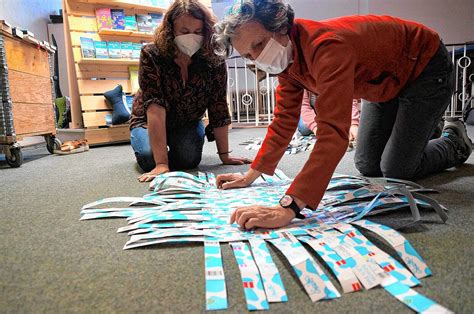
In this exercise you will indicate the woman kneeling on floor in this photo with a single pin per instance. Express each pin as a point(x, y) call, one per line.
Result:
point(180, 78)
point(401, 68)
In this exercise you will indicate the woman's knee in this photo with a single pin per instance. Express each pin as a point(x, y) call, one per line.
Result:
point(184, 160)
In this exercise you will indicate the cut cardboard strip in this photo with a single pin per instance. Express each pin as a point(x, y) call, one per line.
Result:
point(404, 249)
point(309, 273)
point(341, 268)
point(414, 300)
point(251, 280)
point(216, 293)
point(272, 282)
point(372, 253)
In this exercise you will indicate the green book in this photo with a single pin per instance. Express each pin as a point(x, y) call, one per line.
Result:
point(127, 50)
point(115, 50)
point(87, 47)
point(130, 23)
point(137, 49)
point(101, 49)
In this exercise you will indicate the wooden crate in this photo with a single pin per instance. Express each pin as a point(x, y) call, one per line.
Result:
point(30, 85)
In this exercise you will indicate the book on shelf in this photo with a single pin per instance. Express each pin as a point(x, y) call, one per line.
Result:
point(127, 50)
point(130, 23)
point(101, 50)
point(133, 70)
point(137, 49)
point(144, 23)
point(115, 50)
point(118, 18)
point(156, 19)
point(159, 3)
point(104, 18)
point(87, 47)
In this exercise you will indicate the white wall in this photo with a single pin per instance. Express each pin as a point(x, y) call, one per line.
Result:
point(453, 20)
point(30, 14)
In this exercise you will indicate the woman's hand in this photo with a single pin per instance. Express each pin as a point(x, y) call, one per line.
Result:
point(237, 180)
point(149, 176)
point(229, 160)
point(250, 217)
point(353, 132)
point(232, 180)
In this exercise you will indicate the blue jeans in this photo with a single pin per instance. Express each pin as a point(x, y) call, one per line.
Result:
point(394, 137)
point(185, 146)
point(303, 129)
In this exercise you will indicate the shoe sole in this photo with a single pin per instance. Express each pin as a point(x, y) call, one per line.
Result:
point(463, 133)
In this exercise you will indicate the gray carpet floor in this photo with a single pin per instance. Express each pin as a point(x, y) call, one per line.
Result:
point(52, 262)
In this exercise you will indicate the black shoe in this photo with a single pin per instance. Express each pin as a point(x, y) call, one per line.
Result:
point(438, 130)
point(455, 130)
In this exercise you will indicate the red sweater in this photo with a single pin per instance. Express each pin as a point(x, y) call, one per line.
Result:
point(370, 57)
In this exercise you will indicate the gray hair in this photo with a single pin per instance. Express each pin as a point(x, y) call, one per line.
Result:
point(274, 15)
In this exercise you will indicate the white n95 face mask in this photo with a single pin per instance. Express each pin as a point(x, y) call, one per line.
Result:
point(189, 43)
point(275, 57)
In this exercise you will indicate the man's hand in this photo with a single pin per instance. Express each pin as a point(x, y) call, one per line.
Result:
point(232, 180)
point(261, 216)
point(314, 129)
point(229, 160)
point(353, 132)
point(149, 176)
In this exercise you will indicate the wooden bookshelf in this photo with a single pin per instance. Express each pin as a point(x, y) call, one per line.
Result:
point(89, 78)
point(126, 4)
point(119, 32)
point(108, 61)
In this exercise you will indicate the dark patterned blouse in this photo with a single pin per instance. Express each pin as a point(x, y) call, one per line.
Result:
point(161, 84)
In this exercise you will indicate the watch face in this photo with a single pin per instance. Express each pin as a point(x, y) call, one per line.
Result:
point(286, 201)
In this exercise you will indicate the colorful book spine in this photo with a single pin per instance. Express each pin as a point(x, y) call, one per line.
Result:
point(118, 18)
point(137, 49)
point(101, 50)
point(130, 23)
point(115, 50)
point(156, 19)
point(104, 18)
point(144, 23)
point(87, 47)
point(127, 50)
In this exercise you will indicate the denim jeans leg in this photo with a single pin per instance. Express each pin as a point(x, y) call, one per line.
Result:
point(410, 154)
point(141, 146)
point(303, 129)
point(185, 146)
point(375, 128)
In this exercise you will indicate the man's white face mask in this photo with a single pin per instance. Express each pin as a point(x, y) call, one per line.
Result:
point(275, 57)
point(189, 43)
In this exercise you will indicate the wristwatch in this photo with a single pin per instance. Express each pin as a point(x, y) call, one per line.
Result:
point(287, 201)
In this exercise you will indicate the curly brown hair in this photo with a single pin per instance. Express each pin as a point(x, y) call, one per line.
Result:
point(164, 34)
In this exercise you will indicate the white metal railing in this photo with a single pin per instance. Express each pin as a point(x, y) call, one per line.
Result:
point(464, 77)
point(250, 93)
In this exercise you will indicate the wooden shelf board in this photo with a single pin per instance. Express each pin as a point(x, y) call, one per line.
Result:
point(126, 4)
point(108, 61)
point(119, 32)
